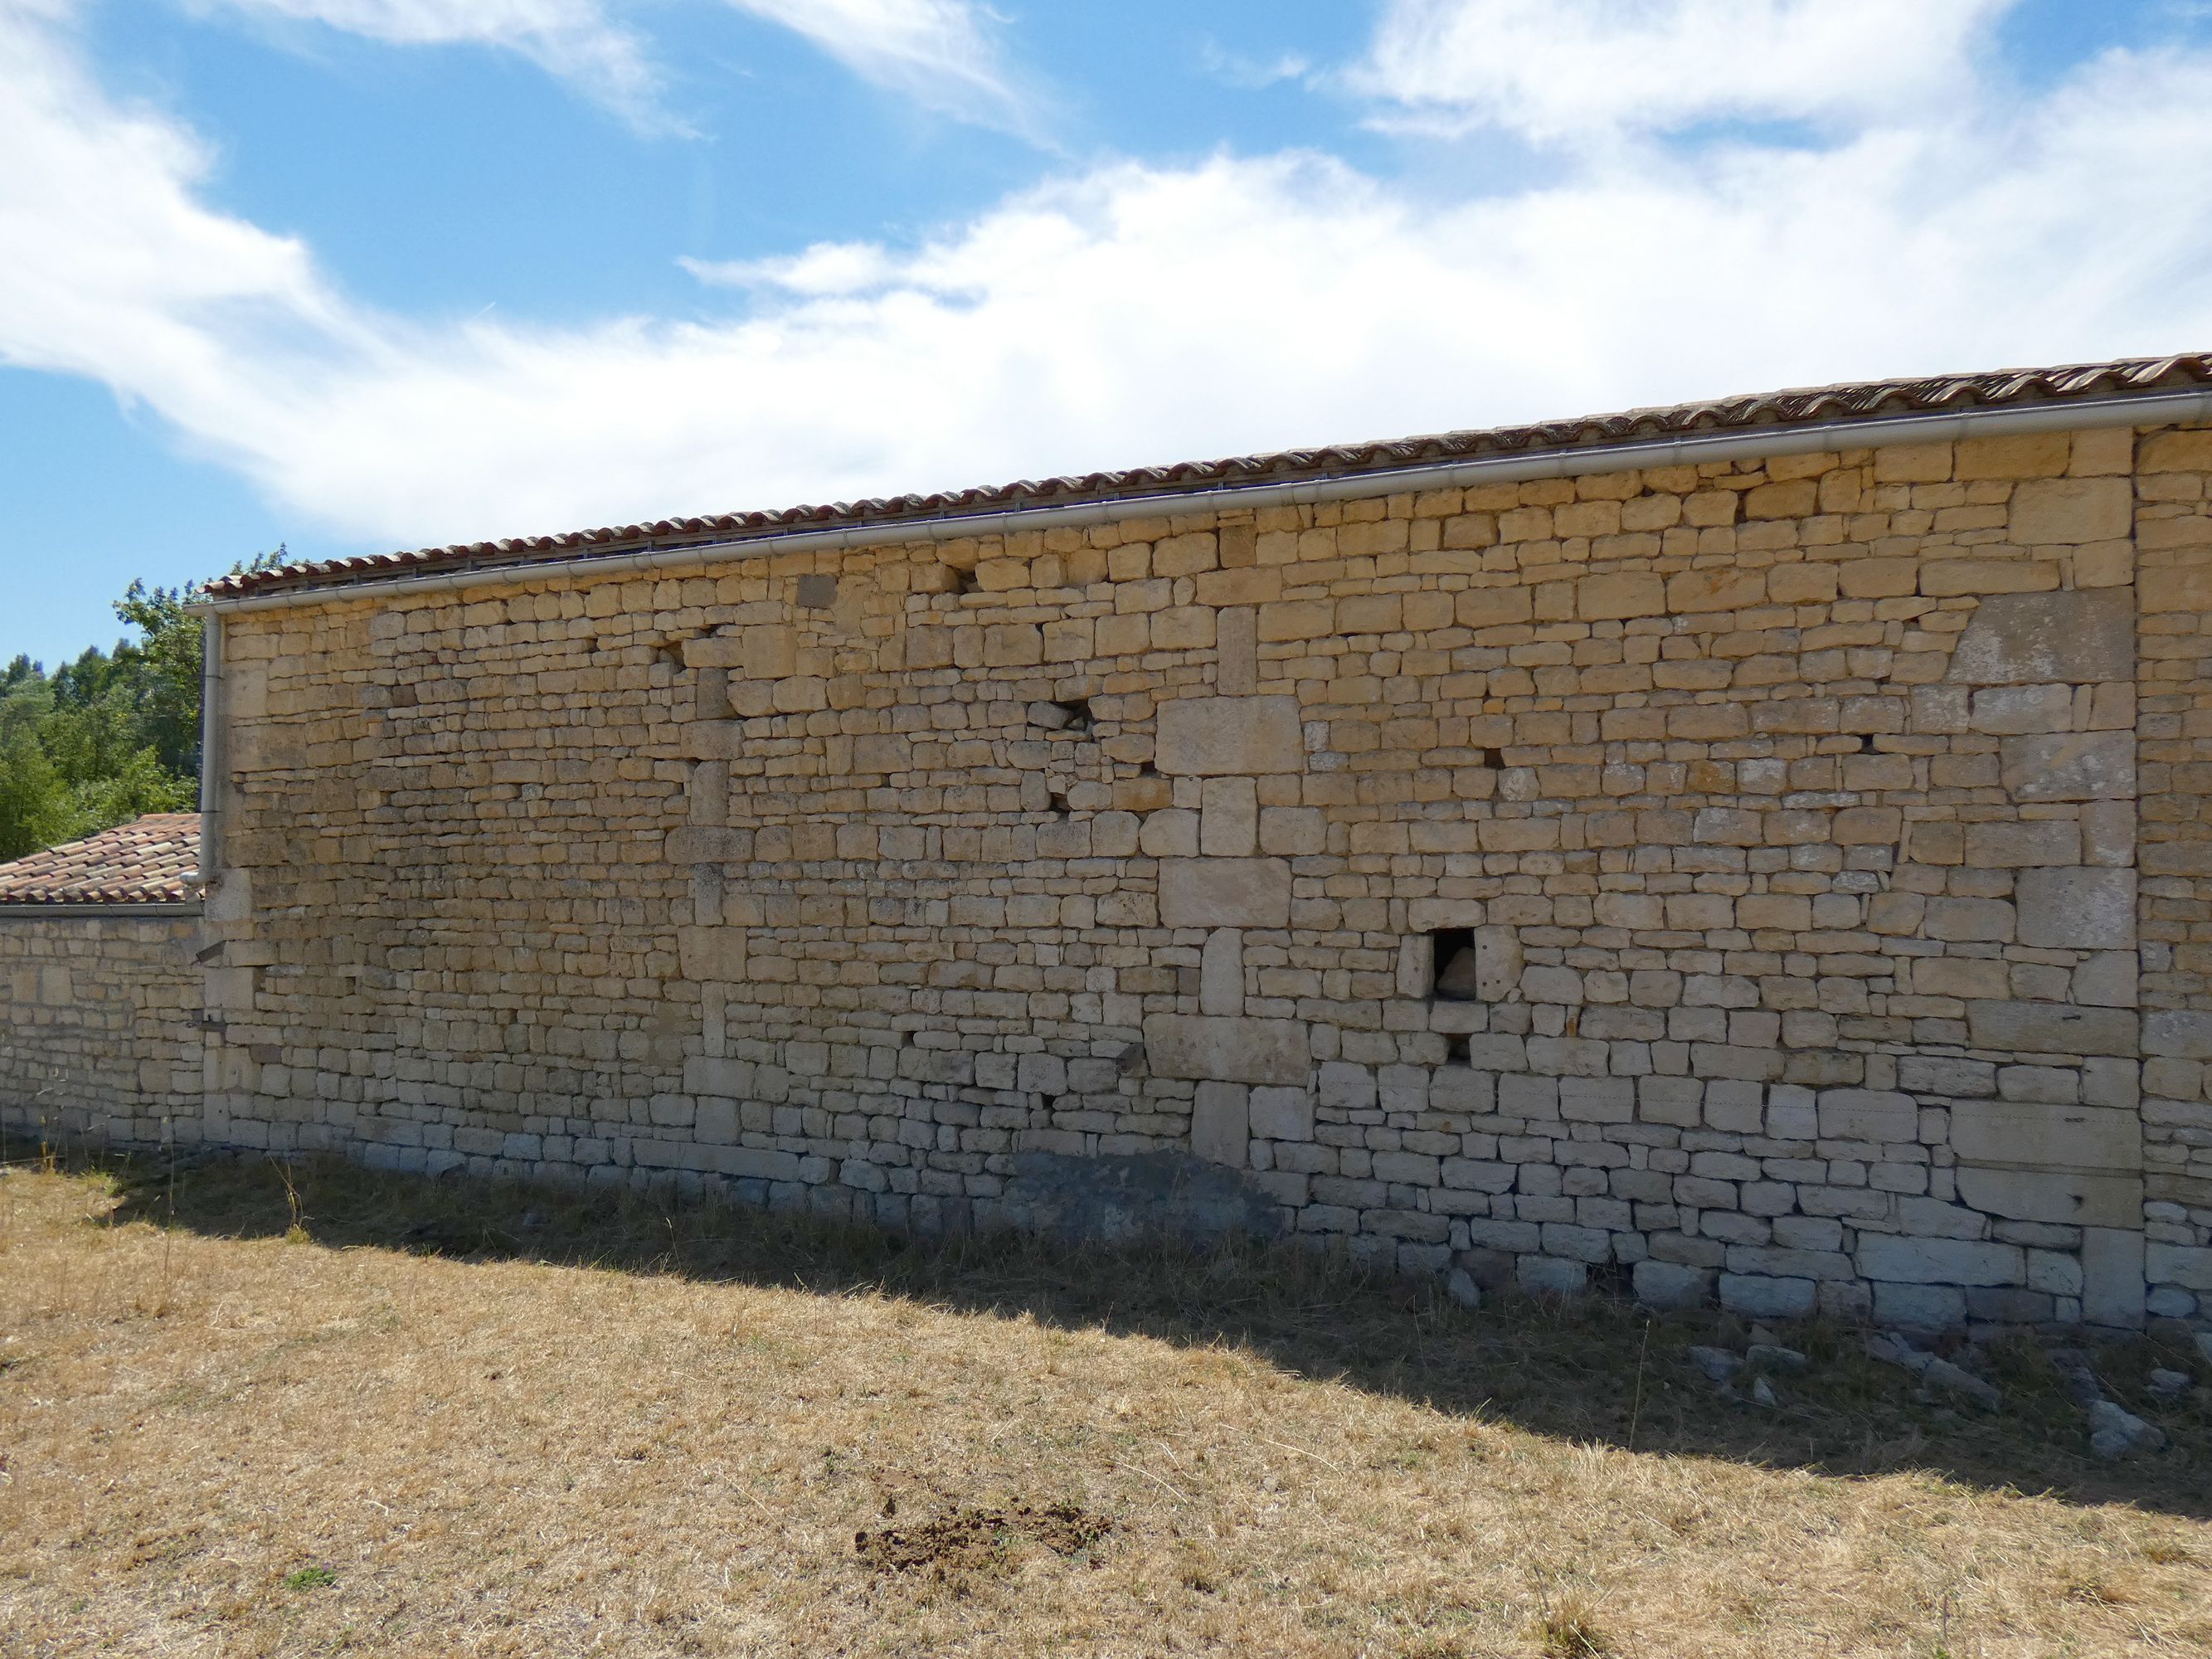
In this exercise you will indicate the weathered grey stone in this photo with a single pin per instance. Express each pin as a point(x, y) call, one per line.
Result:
point(1221, 973)
point(2077, 907)
point(2010, 846)
point(1550, 1275)
point(2070, 766)
point(1497, 962)
point(2115, 1433)
point(1718, 1364)
point(2181, 1033)
point(1762, 1297)
point(707, 843)
point(1948, 1378)
point(2014, 710)
point(1240, 1050)
point(2050, 1028)
point(1204, 892)
point(1670, 1285)
point(1220, 1123)
point(1211, 736)
point(2113, 1276)
point(1868, 1114)
point(1229, 818)
point(1282, 1114)
point(1884, 1256)
point(2046, 1136)
point(2081, 637)
point(715, 954)
point(2189, 1265)
point(2066, 1198)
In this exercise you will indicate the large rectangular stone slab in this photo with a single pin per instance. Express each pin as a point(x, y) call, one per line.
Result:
point(2084, 637)
point(1221, 736)
point(2046, 1136)
point(2050, 1028)
point(1205, 892)
point(1231, 1050)
point(1940, 1260)
point(2077, 909)
point(2069, 512)
point(2063, 1198)
point(2070, 766)
point(712, 954)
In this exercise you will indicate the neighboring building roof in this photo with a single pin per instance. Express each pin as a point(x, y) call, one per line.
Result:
point(148, 861)
point(1818, 405)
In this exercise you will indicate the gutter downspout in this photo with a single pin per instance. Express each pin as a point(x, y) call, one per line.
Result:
point(2138, 409)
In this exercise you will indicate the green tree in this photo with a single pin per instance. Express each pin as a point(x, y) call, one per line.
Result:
point(111, 734)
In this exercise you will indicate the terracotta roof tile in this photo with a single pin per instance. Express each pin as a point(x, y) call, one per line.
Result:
point(1863, 401)
point(145, 861)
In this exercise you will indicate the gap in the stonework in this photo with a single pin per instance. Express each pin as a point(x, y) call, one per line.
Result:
point(1067, 714)
point(1451, 965)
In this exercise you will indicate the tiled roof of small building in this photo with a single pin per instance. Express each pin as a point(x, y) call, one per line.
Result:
point(1870, 400)
point(145, 861)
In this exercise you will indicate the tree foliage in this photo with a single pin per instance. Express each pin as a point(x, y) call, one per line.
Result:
point(107, 736)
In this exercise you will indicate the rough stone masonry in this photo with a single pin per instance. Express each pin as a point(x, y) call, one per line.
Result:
point(1785, 879)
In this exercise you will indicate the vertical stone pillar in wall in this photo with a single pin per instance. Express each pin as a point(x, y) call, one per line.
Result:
point(1227, 882)
point(2174, 583)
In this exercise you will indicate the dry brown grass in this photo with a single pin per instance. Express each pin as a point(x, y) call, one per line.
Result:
point(407, 1417)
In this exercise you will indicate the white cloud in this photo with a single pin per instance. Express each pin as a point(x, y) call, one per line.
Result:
point(1129, 314)
point(933, 52)
point(1568, 70)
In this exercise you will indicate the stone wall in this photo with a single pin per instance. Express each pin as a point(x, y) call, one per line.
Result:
point(1777, 827)
point(102, 1044)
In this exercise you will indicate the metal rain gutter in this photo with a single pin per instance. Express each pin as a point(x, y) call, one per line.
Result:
point(2151, 409)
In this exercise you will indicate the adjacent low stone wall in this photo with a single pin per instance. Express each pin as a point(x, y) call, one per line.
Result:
point(101, 1037)
point(1824, 843)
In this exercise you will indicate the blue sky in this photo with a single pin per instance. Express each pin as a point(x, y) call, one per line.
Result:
point(352, 275)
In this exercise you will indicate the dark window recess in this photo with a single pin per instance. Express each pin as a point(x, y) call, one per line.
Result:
point(963, 581)
point(1058, 803)
point(1455, 1052)
point(1494, 758)
point(1072, 715)
point(817, 593)
point(1453, 974)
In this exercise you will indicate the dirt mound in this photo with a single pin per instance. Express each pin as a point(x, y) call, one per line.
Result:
point(980, 1540)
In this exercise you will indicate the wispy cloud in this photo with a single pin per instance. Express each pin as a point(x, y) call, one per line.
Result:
point(937, 53)
point(1128, 314)
point(1553, 71)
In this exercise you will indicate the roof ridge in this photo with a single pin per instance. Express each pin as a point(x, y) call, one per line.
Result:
point(1864, 400)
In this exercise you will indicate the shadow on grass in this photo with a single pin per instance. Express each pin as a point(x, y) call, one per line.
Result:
point(1590, 1369)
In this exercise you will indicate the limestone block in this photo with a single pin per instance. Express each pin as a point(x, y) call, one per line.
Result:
point(1868, 1114)
point(2113, 1276)
point(1282, 1114)
point(1497, 963)
point(1293, 831)
point(1212, 737)
point(1621, 594)
point(1204, 892)
point(1220, 1123)
point(2076, 766)
point(1221, 973)
point(712, 953)
point(2181, 1033)
point(2046, 1135)
point(2002, 846)
point(2071, 511)
point(1940, 1260)
point(2186, 587)
point(1235, 1050)
point(2077, 907)
point(1228, 824)
point(706, 843)
point(729, 1079)
point(2186, 1265)
point(2062, 1198)
point(1670, 1285)
point(2078, 638)
point(2050, 1028)
point(1171, 832)
point(713, 740)
point(2012, 710)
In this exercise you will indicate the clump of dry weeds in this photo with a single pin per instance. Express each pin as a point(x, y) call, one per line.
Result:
point(447, 1417)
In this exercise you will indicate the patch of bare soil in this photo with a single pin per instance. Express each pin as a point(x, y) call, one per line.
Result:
point(973, 1541)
